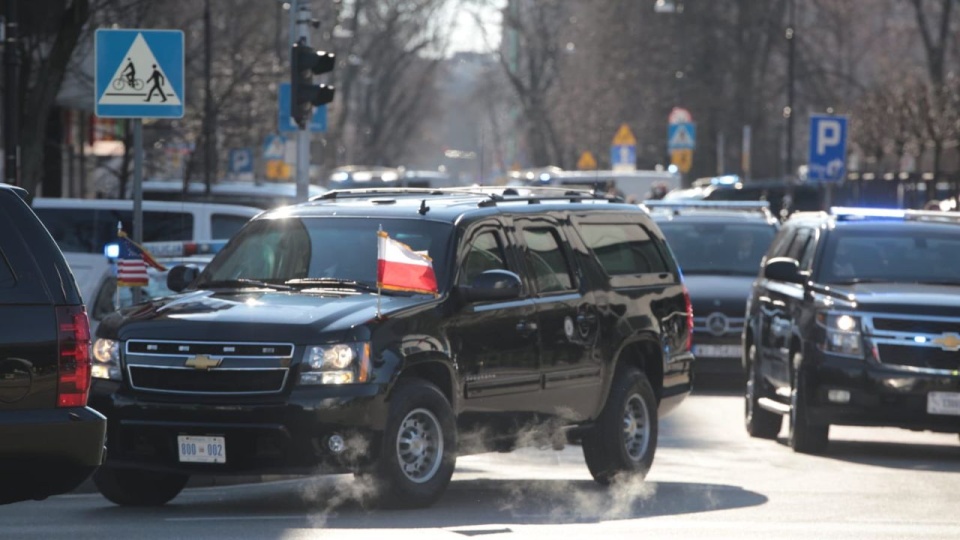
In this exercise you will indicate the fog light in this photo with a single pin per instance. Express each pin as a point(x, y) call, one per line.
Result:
point(839, 396)
point(336, 444)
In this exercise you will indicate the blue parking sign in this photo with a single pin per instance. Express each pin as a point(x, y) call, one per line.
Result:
point(828, 148)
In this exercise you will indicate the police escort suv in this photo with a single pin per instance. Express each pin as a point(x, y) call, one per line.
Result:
point(855, 320)
point(554, 313)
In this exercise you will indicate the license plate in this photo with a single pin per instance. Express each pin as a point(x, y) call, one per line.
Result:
point(202, 449)
point(717, 351)
point(943, 403)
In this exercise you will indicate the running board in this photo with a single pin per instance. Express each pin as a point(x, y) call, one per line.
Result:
point(773, 406)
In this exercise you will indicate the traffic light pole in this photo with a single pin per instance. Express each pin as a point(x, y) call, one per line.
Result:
point(303, 133)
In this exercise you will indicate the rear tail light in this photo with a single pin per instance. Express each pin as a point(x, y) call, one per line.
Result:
point(689, 308)
point(73, 341)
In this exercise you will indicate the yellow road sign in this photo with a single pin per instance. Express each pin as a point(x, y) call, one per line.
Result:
point(587, 162)
point(277, 170)
point(683, 159)
point(624, 137)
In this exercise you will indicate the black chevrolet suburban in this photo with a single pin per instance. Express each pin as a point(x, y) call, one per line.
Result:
point(855, 320)
point(50, 441)
point(556, 313)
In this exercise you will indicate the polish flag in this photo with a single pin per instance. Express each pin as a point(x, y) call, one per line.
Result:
point(400, 268)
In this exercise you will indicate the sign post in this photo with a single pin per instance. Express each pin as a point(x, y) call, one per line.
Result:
point(623, 150)
point(828, 151)
point(681, 138)
point(138, 74)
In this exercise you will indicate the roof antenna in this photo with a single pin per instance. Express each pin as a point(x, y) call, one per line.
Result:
point(423, 207)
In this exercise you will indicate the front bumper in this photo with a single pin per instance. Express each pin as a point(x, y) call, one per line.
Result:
point(879, 394)
point(285, 434)
point(48, 452)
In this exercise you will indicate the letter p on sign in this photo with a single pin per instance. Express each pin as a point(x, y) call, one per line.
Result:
point(828, 135)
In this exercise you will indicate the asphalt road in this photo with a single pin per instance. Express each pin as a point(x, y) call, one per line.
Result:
point(709, 480)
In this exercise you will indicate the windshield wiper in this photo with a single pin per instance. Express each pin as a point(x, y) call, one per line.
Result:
point(239, 283)
point(332, 282)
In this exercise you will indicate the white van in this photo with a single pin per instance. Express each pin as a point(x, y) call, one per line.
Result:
point(263, 195)
point(87, 225)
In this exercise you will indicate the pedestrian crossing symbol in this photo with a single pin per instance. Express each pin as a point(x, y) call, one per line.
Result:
point(139, 74)
point(682, 136)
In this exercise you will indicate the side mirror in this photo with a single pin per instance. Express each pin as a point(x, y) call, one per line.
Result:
point(180, 276)
point(492, 285)
point(783, 269)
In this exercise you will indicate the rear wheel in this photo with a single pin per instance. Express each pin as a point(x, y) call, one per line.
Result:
point(419, 447)
point(624, 439)
point(131, 487)
point(759, 422)
point(805, 437)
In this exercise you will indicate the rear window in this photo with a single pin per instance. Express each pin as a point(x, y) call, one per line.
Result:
point(623, 249)
point(87, 230)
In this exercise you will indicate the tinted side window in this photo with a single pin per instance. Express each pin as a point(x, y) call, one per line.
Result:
point(623, 249)
point(485, 253)
point(224, 226)
point(799, 243)
point(87, 230)
point(780, 244)
point(546, 260)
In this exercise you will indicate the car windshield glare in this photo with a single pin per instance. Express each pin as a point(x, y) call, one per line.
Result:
point(891, 256)
point(718, 248)
point(281, 250)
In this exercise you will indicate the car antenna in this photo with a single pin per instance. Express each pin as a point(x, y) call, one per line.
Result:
point(423, 207)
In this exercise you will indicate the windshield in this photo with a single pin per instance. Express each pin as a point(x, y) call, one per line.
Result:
point(892, 255)
point(718, 248)
point(280, 250)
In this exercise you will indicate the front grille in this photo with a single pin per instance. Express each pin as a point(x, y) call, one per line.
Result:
point(207, 367)
point(922, 326)
point(215, 381)
point(919, 357)
point(922, 342)
point(715, 325)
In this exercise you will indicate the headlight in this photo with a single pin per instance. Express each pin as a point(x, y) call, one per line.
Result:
point(106, 353)
point(842, 333)
point(341, 363)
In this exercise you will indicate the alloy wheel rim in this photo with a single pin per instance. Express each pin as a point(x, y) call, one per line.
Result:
point(419, 445)
point(636, 427)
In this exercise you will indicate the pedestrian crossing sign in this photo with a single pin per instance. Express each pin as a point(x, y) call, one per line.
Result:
point(139, 73)
point(682, 136)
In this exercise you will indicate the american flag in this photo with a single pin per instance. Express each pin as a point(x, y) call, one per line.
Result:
point(132, 263)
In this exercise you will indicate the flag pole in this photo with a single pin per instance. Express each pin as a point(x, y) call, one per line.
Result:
point(116, 269)
point(379, 230)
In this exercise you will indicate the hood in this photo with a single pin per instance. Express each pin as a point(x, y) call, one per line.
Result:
point(908, 298)
point(268, 315)
point(727, 294)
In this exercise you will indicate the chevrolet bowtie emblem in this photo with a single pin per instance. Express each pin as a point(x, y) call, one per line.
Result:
point(948, 342)
point(202, 361)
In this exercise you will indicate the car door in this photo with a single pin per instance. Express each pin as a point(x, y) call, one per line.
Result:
point(566, 314)
point(780, 305)
point(495, 342)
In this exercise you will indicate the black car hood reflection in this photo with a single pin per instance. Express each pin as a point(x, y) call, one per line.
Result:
point(718, 293)
point(243, 315)
point(916, 298)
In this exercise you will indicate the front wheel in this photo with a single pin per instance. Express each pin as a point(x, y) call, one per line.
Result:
point(759, 422)
point(624, 439)
point(130, 487)
point(805, 437)
point(419, 447)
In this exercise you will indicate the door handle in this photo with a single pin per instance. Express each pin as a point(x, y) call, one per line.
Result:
point(525, 328)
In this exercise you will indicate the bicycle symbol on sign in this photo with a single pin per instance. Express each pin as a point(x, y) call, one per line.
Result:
point(128, 78)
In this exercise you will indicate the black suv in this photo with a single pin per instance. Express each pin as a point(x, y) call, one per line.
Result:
point(719, 246)
point(50, 441)
point(855, 320)
point(558, 314)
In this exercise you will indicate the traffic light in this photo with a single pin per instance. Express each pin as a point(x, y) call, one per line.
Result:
point(304, 94)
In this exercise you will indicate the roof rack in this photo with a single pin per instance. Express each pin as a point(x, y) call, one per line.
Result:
point(677, 206)
point(492, 194)
point(845, 213)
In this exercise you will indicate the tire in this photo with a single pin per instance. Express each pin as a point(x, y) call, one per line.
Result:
point(760, 423)
point(624, 439)
point(131, 487)
point(419, 447)
point(805, 437)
